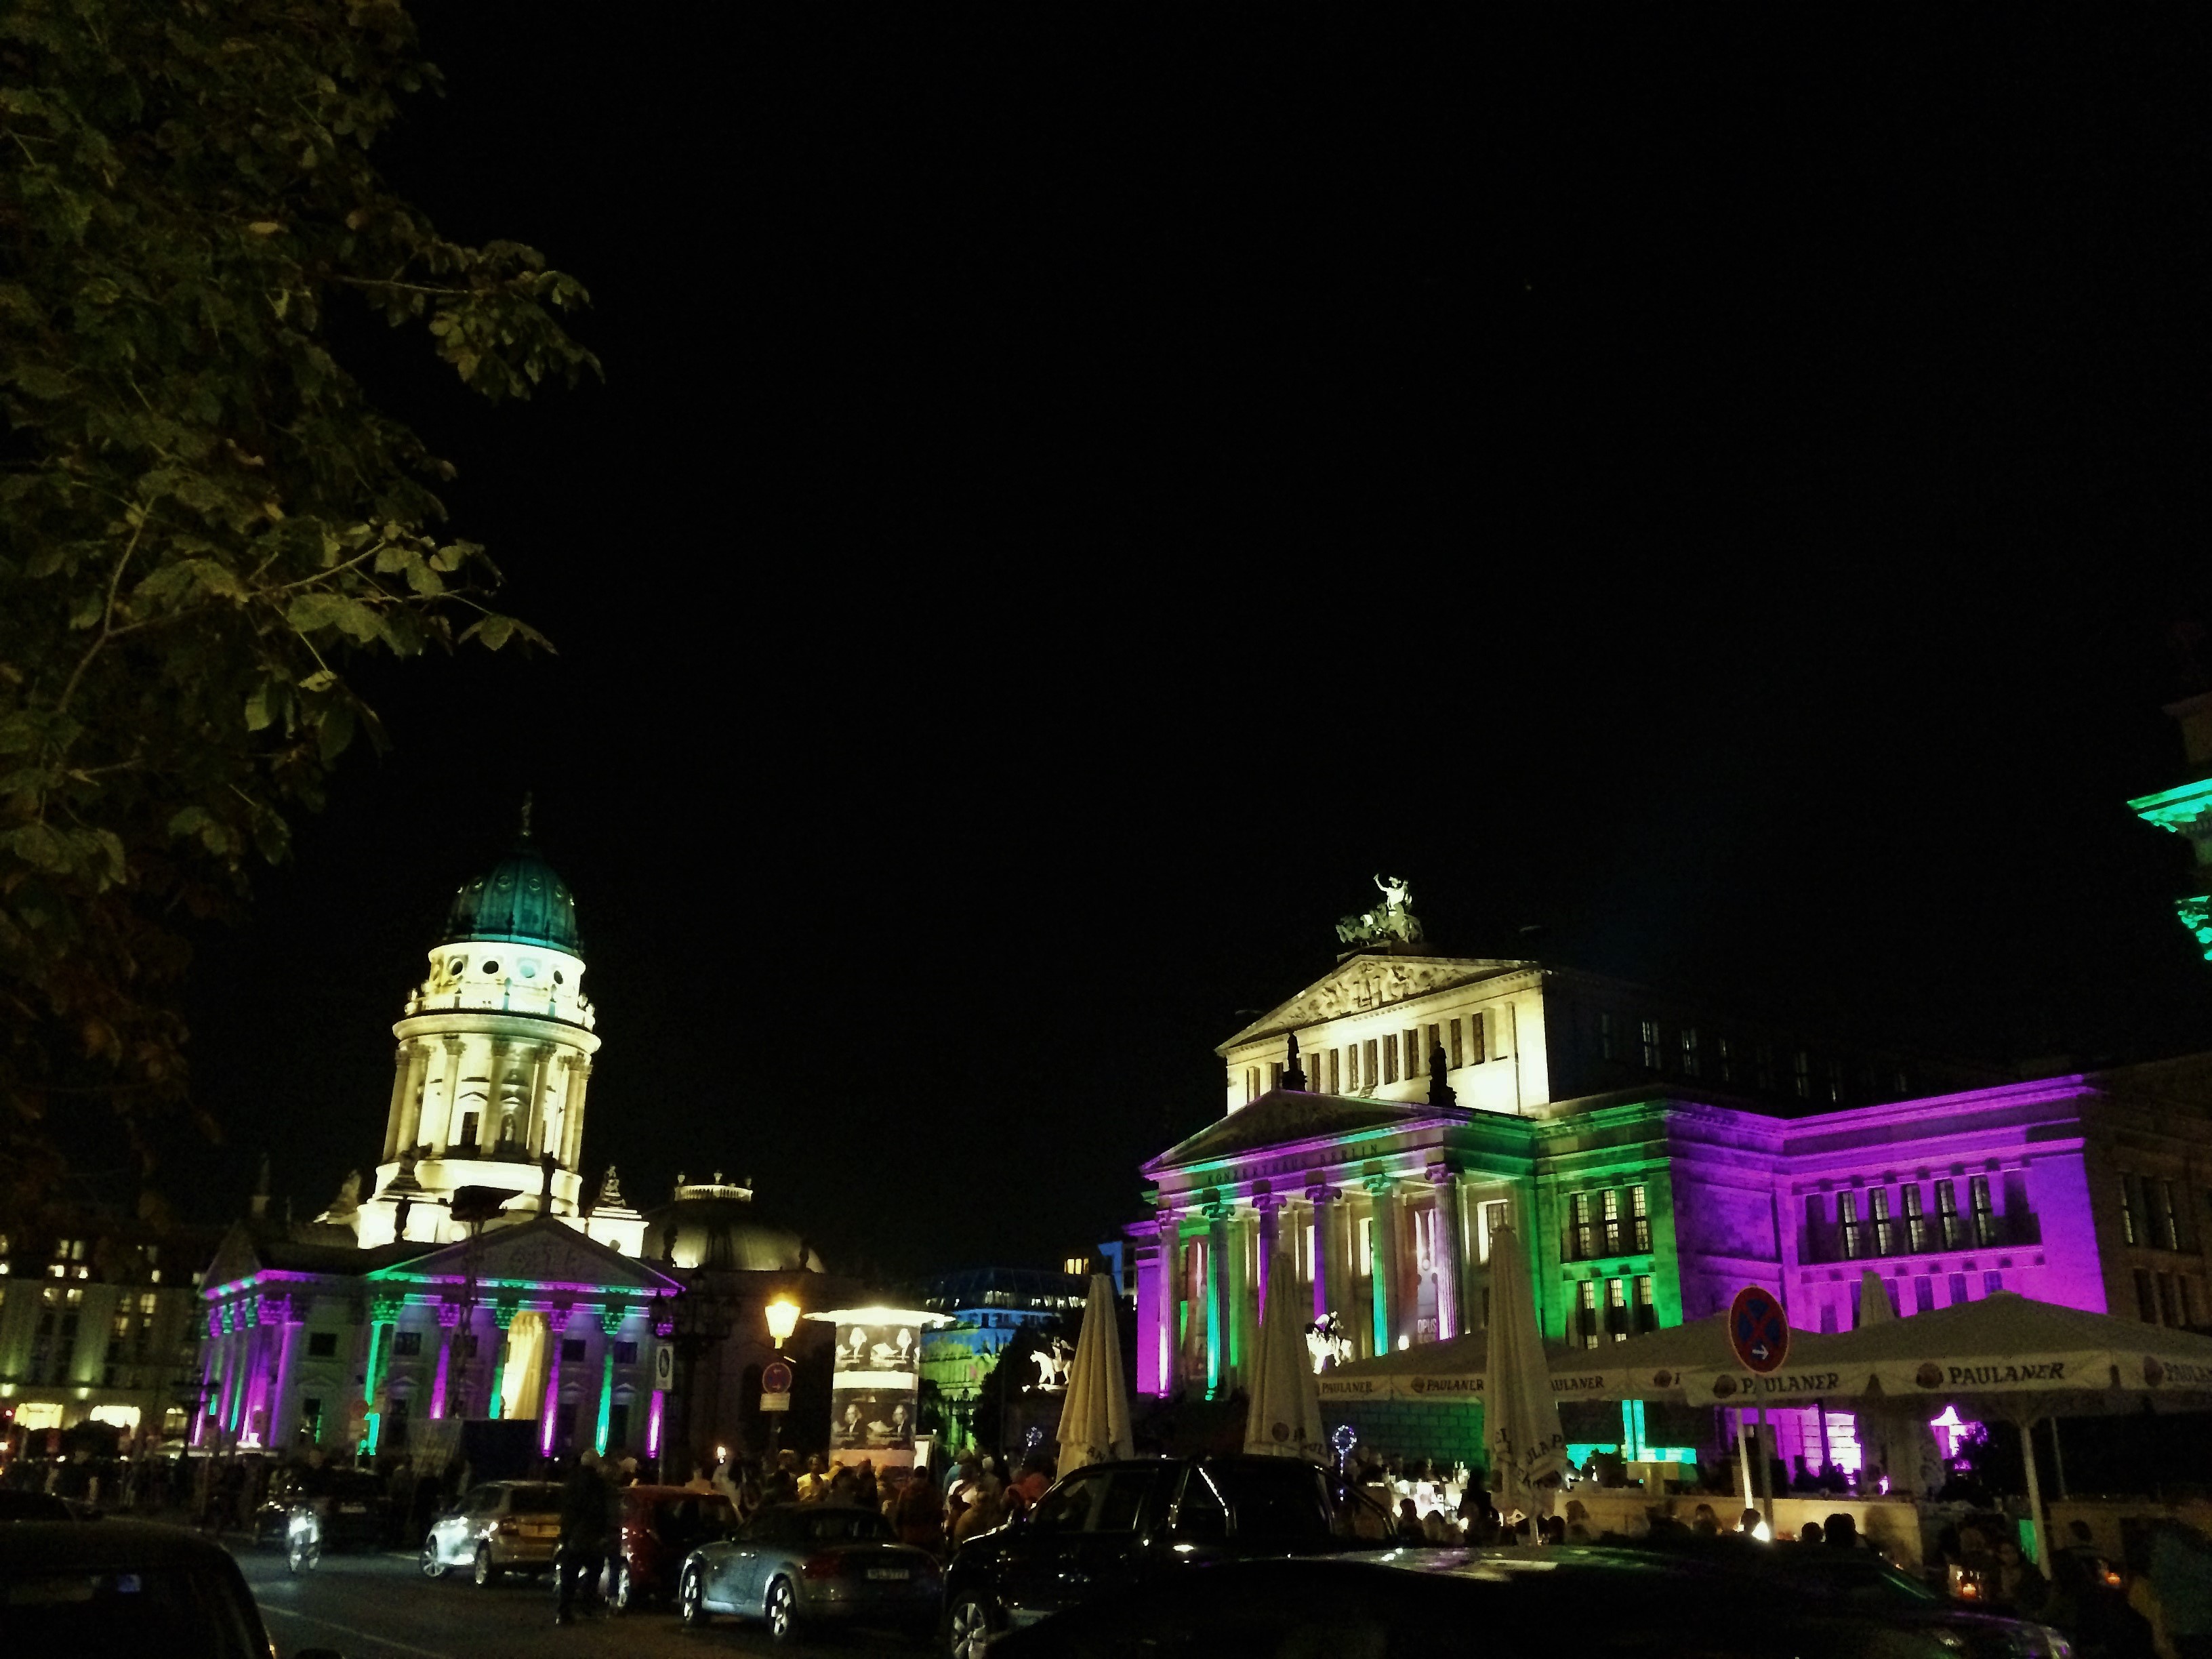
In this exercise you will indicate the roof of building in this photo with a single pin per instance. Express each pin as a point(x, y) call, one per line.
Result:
point(521, 899)
point(712, 1224)
point(1018, 1287)
point(1283, 1115)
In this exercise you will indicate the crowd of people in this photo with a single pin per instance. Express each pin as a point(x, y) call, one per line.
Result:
point(929, 1512)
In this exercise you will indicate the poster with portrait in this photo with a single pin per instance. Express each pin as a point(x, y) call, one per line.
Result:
point(874, 1391)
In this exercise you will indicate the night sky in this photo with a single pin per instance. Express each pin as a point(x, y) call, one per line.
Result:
point(1069, 504)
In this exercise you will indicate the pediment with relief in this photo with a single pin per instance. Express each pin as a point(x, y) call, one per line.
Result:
point(539, 1252)
point(1364, 983)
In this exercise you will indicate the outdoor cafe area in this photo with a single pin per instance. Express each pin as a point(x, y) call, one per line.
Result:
point(1888, 1408)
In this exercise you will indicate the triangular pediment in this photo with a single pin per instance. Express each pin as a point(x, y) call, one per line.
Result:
point(1370, 980)
point(1281, 1116)
point(544, 1250)
point(235, 1258)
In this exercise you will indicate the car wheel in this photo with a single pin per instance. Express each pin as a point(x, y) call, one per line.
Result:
point(779, 1608)
point(967, 1628)
point(692, 1599)
point(487, 1575)
point(433, 1566)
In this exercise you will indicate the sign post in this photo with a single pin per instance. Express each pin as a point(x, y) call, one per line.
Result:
point(1758, 1331)
point(775, 1397)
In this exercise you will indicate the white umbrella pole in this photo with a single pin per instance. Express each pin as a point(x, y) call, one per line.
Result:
point(1766, 1473)
point(2034, 1497)
point(1743, 1454)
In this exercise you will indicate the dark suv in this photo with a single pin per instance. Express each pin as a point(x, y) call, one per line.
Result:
point(1111, 1529)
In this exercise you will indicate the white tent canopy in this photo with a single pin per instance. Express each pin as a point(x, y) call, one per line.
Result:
point(1283, 1418)
point(2003, 1345)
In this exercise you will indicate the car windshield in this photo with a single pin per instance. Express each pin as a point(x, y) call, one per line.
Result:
point(534, 1500)
point(844, 1527)
point(179, 1614)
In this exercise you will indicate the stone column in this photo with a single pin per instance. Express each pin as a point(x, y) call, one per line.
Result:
point(557, 1332)
point(441, 1096)
point(502, 1315)
point(411, 1100)
point(1451, 1283)
point(394, 1118)
point(1269, 1208)
point(287, 1313)
point(610, 1322)
point(1240, 1326)
point(1216, 1300)
point(211, 1376)
point(383, 1318)
point(449, 1319)
point(1325, 1253)
point(1392, 1317)
point(572, 1114)
point(1166, 1337)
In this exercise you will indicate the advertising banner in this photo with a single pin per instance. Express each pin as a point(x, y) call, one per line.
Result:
point(873, 1390)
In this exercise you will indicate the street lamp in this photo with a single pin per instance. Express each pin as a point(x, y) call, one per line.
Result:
point(782, 1315)
point(782, 1319)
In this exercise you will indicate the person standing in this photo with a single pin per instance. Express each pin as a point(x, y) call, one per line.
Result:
point(586, 1523)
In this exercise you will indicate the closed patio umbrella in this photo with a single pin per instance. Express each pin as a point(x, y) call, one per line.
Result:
point(1522, 1439)
point(1284, 1416)
point(1094, 1420)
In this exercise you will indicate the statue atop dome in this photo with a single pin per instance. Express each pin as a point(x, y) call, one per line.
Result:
point(1392, 920)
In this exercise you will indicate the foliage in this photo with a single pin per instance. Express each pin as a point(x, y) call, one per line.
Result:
point(203, 523)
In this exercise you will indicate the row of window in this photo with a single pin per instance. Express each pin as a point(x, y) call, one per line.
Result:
point(1613, 1221)
point(1687, 1051)
point(1912, 1230)
point(1383, 1059)
point(2165, 1298)
point(2153, 1214)
point(1617, 1319)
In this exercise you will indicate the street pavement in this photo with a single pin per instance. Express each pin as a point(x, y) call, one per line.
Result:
point(377, 1607)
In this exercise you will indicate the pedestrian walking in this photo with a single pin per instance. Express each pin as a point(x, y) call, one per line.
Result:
point(587, 1522)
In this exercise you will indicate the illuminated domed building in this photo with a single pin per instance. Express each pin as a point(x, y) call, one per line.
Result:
point(475, 1273)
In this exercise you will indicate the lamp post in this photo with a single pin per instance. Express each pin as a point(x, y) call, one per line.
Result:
point(782, 1315)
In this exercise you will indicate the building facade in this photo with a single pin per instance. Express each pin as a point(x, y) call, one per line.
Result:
point(1655, 1156)
point(987, 1308)
point(469, 1277)
point(100, 1322)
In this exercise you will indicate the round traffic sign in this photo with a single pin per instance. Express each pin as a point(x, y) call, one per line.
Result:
point(775, 1377)
point(1758, 1330)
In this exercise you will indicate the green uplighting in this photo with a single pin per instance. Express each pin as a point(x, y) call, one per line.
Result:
point(2176, 809)
point(2195, 915)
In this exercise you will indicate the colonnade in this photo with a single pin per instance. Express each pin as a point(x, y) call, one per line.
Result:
point(1388, 1254)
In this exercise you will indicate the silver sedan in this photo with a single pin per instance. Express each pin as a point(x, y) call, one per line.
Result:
point(501, 1527)
point(794, 1564)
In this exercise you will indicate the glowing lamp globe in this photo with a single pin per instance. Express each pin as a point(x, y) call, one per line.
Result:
point(782, 1319)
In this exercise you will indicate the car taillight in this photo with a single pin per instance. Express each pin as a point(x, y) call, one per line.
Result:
point(823, 1566)
point(506, 1526)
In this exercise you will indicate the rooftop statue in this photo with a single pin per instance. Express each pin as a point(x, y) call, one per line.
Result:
point(1393, 919)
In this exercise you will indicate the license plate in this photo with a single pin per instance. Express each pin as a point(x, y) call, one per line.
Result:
point(889, 1572)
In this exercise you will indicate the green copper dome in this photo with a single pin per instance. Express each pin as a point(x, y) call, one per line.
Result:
point(520, 901)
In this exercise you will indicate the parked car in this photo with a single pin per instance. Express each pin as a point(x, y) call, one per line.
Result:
point(498, 1528)
point(127, 1586)
point(1114, 1531)
point(1608, 1603)
point(795, 1564)
point(32, 1506)
point(319, 1510)
point(660, 1527)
